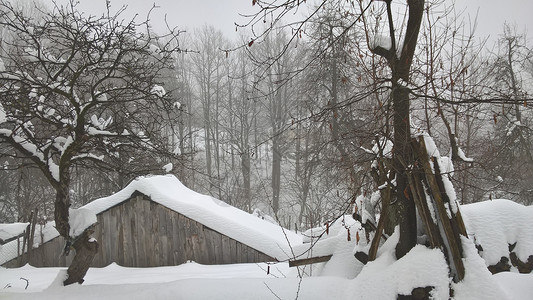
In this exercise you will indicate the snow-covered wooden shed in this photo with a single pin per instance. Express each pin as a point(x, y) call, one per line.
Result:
point(157, 221)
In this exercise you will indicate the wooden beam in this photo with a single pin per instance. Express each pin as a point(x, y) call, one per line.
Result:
point(385, 194)
point(420, 200)
point(361, 256)
point(416, 180)
point(451, 240)
point(308, 261)
point(3, 242)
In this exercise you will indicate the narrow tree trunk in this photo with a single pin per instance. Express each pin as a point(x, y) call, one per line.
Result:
point(86, 248)
point(61, 213)
point(245, 168)
point(276, 174)
point(402, 210)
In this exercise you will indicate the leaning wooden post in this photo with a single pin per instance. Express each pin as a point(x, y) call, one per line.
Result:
point(432, 229)
point(386, 194)
point(452, 241)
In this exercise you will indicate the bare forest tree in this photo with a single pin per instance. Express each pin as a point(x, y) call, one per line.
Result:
point(395, 41)
point(510, 160)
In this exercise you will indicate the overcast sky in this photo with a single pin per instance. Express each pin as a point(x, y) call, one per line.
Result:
point(189, 14)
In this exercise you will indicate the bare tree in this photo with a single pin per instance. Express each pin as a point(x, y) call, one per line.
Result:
point(76, 90)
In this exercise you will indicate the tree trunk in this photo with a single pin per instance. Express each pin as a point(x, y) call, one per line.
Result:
point(245, 168)
point(276, 174)
point(61, 213)
point(86, 248)
point(402, 210)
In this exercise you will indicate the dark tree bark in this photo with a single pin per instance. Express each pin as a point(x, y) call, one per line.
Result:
point(86, 248)
point(402, 209)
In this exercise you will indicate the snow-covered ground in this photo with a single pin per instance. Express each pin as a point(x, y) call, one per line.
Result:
point(342, 277)
point(492, 224)
point(242, 281)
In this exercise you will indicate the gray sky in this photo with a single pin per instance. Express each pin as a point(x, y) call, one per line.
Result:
point(183, 14)
point(189, 14)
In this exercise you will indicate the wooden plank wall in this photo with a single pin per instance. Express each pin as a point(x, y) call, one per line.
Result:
point(143, 233)
point(47, 255)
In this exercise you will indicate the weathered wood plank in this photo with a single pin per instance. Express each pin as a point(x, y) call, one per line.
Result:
point(308, 261)
point(226, 249)
point(140, 232)
point(449, 234)
point(419, 197)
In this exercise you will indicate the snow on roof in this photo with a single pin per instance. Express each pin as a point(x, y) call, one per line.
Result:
point(10, 250)
point(43, 233)
point(8, 231)
point(168, 191)
point(246, 228)
point(495, 224)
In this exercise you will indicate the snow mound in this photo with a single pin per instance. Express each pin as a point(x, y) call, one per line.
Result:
point(79, 220)
point(497, 224)
point(386, 277)
point(478, 282)
point(339, 240)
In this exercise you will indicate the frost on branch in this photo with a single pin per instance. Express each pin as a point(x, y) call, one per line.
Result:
point(379, 41)
point(2, 114)
point(158, 91)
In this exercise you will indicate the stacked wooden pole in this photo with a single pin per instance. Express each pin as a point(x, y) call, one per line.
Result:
point(443, 226)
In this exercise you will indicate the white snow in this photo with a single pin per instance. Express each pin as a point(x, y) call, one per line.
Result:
point(168, 167)
point(334, 240)
point(380, 41)
point(386, 277)
point(168, 191)
point(497, 223)
point(384, 145)
point(42, 279)
point(33, 93)
point(33, 150)
point(446, 170)
point(43, 233)
point(102, 97)
point(8, 231)
point(463, 156)
point(251, 281)
point(478, 282)
point(431, 147)
point(3, 116)
point(158, 91)
point(79, 220)
point(446, 165)
point(339, 278)
point(515, 286)
point(494, 224)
